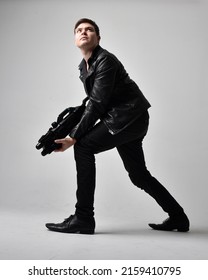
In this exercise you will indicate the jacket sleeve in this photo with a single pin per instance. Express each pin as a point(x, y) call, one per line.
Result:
point(100, 95)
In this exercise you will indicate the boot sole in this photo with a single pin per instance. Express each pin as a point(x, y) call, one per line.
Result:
point(83, 231)
point(185, 229)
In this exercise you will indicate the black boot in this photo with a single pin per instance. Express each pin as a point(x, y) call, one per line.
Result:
point(179, 223)
point(73, 224)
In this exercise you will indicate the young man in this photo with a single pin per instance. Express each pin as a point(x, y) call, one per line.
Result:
point(122, 110)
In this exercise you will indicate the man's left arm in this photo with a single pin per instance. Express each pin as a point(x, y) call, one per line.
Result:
point(99, 96)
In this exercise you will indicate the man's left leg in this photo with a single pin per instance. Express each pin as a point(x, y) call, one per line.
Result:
point(134, 162)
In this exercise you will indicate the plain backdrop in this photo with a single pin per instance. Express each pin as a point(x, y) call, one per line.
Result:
point(163, 46)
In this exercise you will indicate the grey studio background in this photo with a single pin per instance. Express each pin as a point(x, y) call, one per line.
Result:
point(163, 46)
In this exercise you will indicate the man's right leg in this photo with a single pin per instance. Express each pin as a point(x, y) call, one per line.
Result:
point(86, 175)
point(97, 140)
point(83, 219)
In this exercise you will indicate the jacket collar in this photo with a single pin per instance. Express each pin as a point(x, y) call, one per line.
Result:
point(93, 57)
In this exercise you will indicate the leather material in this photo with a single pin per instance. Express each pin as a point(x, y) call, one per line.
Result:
point(113, 97)
point(180, 223)
point(74, 225)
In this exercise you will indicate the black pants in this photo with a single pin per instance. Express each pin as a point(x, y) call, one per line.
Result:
point(129, 145)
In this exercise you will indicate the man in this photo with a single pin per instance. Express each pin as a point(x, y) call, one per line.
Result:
point(122, 110)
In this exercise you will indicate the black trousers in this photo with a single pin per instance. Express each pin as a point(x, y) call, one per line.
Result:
point(129, 145)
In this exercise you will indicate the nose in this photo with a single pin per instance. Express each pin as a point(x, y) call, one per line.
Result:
point(84, 32)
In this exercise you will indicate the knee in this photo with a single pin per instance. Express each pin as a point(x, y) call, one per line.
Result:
point(87, 145)
point(141, 180)
point(82, 152)
point(82, 145)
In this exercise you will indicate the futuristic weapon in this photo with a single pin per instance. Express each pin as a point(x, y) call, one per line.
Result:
point(59, 129)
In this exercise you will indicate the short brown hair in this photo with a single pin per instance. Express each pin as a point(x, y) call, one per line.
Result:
point(84, 20)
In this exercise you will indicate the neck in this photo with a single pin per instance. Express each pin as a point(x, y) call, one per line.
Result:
point(87, 52)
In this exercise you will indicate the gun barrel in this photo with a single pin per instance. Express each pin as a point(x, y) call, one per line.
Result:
point(39, 146)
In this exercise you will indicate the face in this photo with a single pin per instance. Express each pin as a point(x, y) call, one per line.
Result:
point(86, 37)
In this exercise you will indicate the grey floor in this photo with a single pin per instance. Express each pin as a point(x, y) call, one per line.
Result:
point(24, 236)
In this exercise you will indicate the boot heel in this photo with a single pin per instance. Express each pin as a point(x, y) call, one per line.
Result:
point(183, 229)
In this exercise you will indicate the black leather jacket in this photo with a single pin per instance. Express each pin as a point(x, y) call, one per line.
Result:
point(113, 97)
